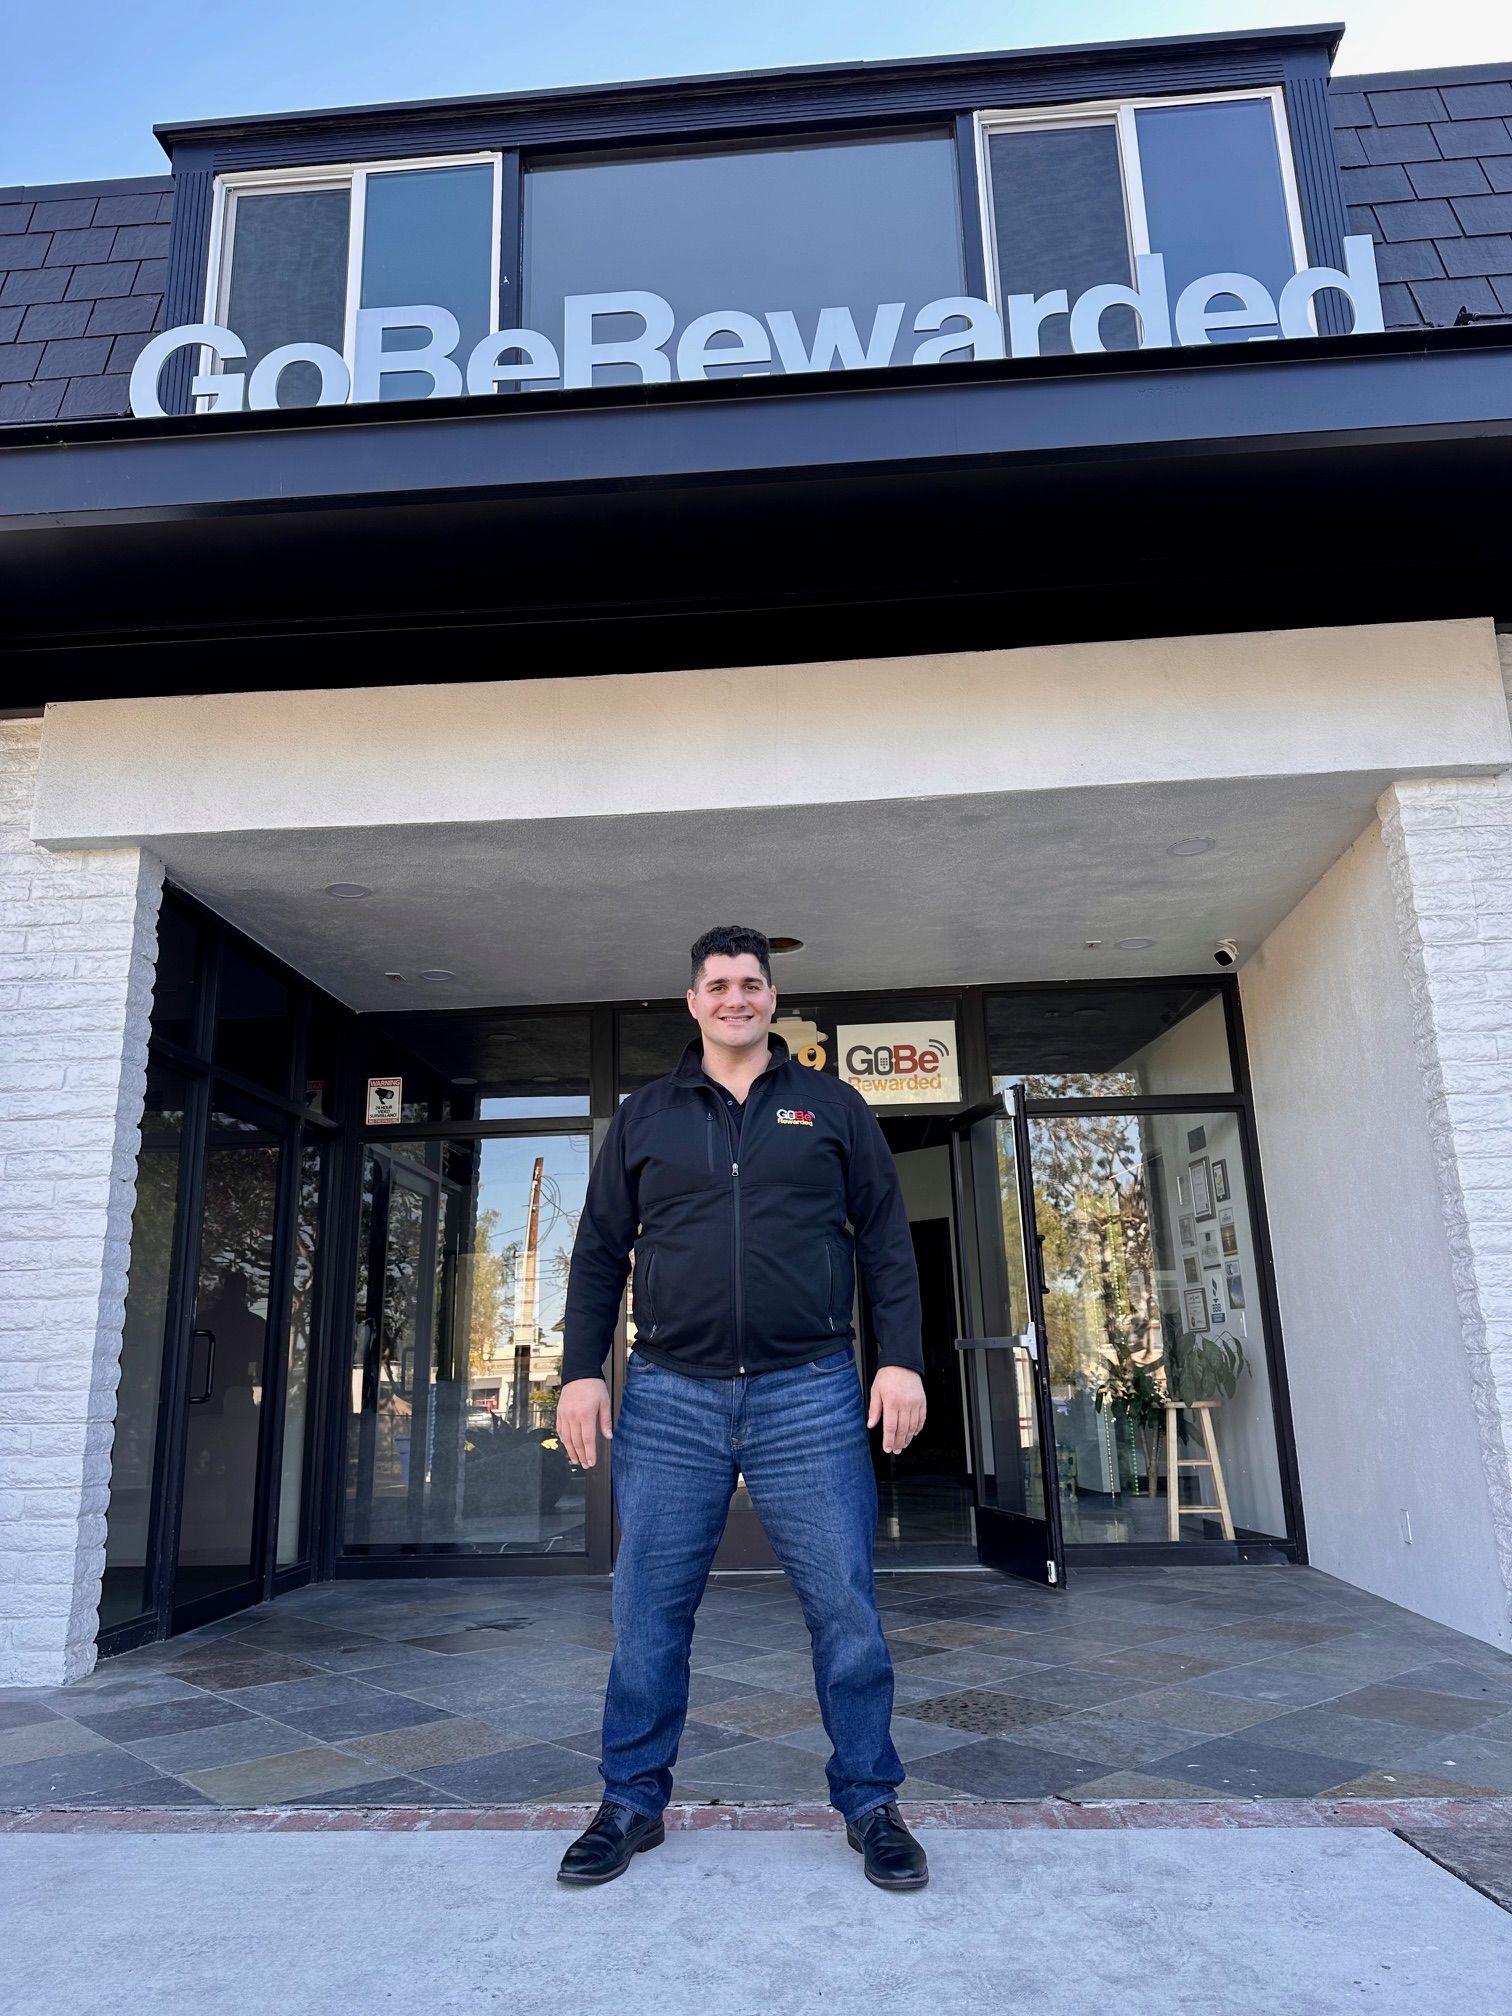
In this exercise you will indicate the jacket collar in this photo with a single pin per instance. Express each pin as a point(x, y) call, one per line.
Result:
point(690, 1070)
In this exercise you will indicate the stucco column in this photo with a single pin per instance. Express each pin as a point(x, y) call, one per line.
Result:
point(1449, 850)
point(78, 938)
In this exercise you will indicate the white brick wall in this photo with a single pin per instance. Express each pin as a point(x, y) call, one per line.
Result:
point(1449, 848)
point(78, 938)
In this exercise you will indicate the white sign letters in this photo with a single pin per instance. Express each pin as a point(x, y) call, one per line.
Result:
point(595, 334)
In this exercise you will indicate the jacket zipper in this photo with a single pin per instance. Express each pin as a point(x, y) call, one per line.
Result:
point(650, 1298)
point(829, 1285)
point(735, 1236)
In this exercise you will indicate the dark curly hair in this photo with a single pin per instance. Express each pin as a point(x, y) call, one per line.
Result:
point(730, 941)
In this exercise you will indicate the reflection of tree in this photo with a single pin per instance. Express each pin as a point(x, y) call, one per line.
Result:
point(492, 1272)
point(1099, 1263)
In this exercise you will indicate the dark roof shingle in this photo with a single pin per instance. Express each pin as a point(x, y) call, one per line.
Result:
point(1425, 162)
point(82, 270)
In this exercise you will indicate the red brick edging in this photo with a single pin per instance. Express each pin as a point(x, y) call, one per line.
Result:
point(1015, 1816)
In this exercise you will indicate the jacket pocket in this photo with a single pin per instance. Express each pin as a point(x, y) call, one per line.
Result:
point(842, 1285)
point(644, 1301)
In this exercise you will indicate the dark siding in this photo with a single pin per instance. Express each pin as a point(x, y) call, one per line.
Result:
point(82, 268)
point(1425, 158)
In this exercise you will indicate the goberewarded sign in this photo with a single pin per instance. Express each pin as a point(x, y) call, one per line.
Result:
point(957, 326)
point(901, 1063)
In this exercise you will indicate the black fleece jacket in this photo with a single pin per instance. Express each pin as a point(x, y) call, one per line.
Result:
point(746, 1226)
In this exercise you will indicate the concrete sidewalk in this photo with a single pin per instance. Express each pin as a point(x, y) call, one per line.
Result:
point(1277, 1922)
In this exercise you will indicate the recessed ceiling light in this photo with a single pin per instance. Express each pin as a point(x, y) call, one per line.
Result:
point(393, 976)
point(1134, 944)
point(347, 891)
point(464, 1081)
point(1198, 844)
point(778, 946)
point(1091, 944)
point(437, 973)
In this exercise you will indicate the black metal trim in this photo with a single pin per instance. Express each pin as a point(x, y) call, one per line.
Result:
point(1049, 74)
point(1281, 1406)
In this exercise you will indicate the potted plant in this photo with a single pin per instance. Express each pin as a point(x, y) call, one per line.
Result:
point(1202, 1368)
point(1131, 1390)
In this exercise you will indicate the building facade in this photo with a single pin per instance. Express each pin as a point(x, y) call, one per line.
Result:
point(1025, 530)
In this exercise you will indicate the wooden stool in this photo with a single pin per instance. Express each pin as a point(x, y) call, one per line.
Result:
point(1175, 1464)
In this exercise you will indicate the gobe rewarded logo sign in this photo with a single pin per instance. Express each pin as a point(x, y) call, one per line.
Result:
point(901, 1063)
point(639, 330)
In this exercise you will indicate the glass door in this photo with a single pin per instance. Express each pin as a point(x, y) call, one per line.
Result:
point(223, 1513)
point(1012, 1442)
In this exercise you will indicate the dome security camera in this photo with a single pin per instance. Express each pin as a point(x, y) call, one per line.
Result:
point(1225, 953)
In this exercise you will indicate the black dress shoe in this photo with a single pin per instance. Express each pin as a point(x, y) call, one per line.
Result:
point(605, 1846)
point(894, 1859)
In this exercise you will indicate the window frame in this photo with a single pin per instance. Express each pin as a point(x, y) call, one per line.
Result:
point(353, 176)
point(1120, 114)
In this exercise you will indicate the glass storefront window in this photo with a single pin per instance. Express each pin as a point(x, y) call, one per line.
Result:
point(1110, 1042)
point(323, 1048)
point(228, 1372)
point(457, 1350)
point(292, 1544)
point(488, 1066)
point(175, 978)
point(651, 1043)
point(1151, 1276)
point(133, 1457)
point(847, 225)
point(254, 1022)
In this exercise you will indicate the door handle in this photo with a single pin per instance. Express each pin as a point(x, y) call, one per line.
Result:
point(1027, 1340)
point(199, 1399)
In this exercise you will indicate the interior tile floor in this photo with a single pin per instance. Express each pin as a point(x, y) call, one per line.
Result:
point(1132, 1683)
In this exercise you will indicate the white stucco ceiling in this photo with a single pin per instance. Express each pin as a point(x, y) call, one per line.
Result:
point(894, 893)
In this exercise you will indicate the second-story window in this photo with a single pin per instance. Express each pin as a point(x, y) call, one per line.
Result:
point(300, 254)
point(1072, 196)
point(777, 233)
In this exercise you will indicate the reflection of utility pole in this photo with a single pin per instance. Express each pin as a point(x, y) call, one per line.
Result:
point(527, 1296)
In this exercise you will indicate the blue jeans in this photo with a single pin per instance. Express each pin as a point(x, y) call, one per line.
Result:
point(799, 1438)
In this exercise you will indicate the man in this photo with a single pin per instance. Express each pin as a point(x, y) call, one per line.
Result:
point(735, 1180)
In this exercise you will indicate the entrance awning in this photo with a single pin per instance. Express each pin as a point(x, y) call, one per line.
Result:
point(763, 520)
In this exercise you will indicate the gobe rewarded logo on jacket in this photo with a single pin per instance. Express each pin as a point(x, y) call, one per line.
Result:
point(794, 1116)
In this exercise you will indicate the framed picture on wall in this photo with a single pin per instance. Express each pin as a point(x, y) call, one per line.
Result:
point(1216, 1310)
point(1183, 1189)
point(1229, 1236)
point(1187, 1229)
point(1212, 1255)
point(1202, 1188)
point(1196, 1309)
point(1234, 1282)
point(1193, 1271)
point(1221, 1182)
point(1196, 1138)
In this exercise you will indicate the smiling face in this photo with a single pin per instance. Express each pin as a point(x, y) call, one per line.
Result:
point(732, 1002)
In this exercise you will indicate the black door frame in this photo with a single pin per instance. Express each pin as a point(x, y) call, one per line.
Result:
point(336, 1558)
point(192, 1061)
point(282, 1130)
point(1013, 1543)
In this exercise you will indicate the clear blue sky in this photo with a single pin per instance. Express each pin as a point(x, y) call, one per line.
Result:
point(82, 83)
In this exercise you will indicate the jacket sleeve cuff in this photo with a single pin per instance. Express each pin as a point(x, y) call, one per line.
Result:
point(578, 1362)
point(908, 1358)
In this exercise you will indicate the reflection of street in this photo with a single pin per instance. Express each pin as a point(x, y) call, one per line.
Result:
point(460, 1421)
